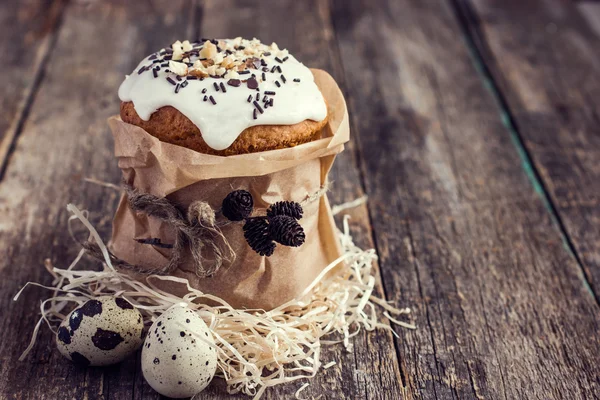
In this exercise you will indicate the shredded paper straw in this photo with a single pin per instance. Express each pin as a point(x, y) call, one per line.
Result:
point(256, 349)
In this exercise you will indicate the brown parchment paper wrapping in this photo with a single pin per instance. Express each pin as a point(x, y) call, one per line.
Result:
point(184, 175)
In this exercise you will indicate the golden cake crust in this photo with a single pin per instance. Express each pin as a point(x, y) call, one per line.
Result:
point(169, 125)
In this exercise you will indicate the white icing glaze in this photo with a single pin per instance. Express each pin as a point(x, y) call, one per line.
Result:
point(223, 122)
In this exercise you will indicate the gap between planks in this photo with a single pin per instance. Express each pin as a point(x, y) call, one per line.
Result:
point(476, 44)
point(325, 10)
point(41, 59)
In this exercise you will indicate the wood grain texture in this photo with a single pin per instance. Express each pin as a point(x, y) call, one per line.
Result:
point(371, 370)
point(27, 31)
point(544, 57)
point(502, 308)
point(65, 138)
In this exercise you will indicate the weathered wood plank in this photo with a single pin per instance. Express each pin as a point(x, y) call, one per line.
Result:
point(463, 237)
point(27, 30)
point(544, 58)
point(371, 370)
point(65, 138)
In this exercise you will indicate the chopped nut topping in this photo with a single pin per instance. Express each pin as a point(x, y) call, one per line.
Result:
point(178, 68)
point(177, 50)
point(186, 45)
point(231, 74)
point(218, 58)
point(212, 70)
point(197, 72)
point(209, 50)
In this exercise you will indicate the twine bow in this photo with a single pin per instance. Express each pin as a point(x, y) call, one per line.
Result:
point(197, 229)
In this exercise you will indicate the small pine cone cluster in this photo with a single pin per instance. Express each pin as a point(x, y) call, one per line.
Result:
point(237, 205)
point(280, 225)
point(256, 232)
point(290, 208)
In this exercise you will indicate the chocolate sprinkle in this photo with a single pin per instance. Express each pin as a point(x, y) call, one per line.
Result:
point(285, 58)
point(283, 79)
point(278, 68)
point(258, 107)
point(234, 82)
point(155, 72)
point(204, 90)
point(264, 78)
point(212, 100)
point(254, 116)
point(178, 78)
point(267, 53)
point(296, 80)
point(171, 81)
point(274, 68)
point(249, 98)
point(265, 69)
point(271, 102)
point(223, 87)
point(177, 88)
point(205, 98)
point(270, 93)
point(216, 86)
point(257, 96)
point(141, 70)
point(184, 84)
point(278, 60)
point(277, 84)
point(244, 72)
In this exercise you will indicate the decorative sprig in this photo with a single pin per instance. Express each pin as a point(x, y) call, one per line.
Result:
point(256, 232)
point(238, 205)
point(286, 230)
point(290, 208)
point(280, 225)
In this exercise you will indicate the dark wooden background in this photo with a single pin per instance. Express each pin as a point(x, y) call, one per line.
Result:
point(475, 134)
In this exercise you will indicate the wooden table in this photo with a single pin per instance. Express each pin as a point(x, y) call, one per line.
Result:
point(475, 134)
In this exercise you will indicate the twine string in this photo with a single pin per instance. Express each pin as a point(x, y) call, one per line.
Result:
point(196, 229)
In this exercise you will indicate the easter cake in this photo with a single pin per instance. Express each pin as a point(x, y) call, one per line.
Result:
point(247, 133)
point(224, 97)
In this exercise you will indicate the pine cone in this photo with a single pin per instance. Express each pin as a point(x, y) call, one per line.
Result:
point(286, 230)
point(290, 208)
point(237, 205)
point(256, 232)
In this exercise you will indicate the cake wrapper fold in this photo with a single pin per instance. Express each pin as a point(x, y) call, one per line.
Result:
point(183, 176)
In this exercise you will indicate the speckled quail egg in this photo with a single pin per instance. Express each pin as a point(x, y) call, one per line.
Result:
point(102, 331)
point(179, 357)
